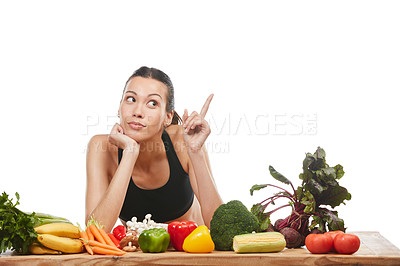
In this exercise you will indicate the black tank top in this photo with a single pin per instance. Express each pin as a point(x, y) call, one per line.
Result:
point(165, 203)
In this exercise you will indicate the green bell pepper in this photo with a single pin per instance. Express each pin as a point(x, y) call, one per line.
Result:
point(154, 240)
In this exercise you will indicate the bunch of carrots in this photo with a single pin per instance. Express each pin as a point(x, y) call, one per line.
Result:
point(97, 241)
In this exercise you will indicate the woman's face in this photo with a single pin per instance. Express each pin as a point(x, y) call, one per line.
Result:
point(143, 108)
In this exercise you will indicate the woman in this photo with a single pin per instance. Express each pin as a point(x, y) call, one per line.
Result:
point(149, 163)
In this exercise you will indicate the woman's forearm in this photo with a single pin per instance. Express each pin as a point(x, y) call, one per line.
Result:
point(209, 197)
point(109, 207)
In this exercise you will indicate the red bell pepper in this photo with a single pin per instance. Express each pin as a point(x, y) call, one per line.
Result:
point(119, 232)
point(114, 240)
point(178, 231)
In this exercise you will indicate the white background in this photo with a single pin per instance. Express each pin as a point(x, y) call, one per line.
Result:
point(288, 76)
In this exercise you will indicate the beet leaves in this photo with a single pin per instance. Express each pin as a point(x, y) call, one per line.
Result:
point(319, 190)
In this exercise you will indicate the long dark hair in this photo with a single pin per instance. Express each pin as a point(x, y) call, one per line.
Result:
point(154, 73)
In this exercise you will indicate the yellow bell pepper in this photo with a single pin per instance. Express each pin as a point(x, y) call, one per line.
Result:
point(199, 241)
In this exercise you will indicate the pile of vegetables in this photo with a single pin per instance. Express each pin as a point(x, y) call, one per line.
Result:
point(319, 189)
point(152, 237)
point(17, 227)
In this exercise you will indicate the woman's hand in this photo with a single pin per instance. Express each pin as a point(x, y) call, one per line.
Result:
point(122, 141)
point(196, 128)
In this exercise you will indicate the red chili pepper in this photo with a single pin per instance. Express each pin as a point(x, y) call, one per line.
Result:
point(114, 240)
point(119, 232)
point(178, 231)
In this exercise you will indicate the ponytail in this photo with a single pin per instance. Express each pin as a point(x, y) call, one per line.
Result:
point(176, 119)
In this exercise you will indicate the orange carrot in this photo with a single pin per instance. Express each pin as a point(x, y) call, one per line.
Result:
point(106, 251)
point(95, 243)
point(96, 234)
point(89, 233)
point(85, 240)
point(105, 236)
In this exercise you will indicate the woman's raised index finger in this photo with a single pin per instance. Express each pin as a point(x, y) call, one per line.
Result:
point(204, 110)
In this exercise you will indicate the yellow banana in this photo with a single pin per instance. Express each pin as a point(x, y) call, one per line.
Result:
point(63, 244)
point(59, 229)
point(38, 249)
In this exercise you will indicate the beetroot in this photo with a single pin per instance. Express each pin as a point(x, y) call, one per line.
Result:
point(319, 189)
point(316, 231)
point(271, 228)
point(277, 223)
point(293, 238)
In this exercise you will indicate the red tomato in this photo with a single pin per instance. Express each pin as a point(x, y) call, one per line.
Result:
point(319, 243)
point(333, 234)
point(346, 243)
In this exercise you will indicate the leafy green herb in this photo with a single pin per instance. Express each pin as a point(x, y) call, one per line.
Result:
point(319, 189)
point(16, 227)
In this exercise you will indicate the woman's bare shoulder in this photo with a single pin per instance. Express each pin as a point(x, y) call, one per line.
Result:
point(100, 144)
point(100, 148)
point(102, 155)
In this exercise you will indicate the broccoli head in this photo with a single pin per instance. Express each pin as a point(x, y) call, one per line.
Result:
point(231, 219)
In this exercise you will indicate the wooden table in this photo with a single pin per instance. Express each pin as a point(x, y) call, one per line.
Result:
point(374, 250)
